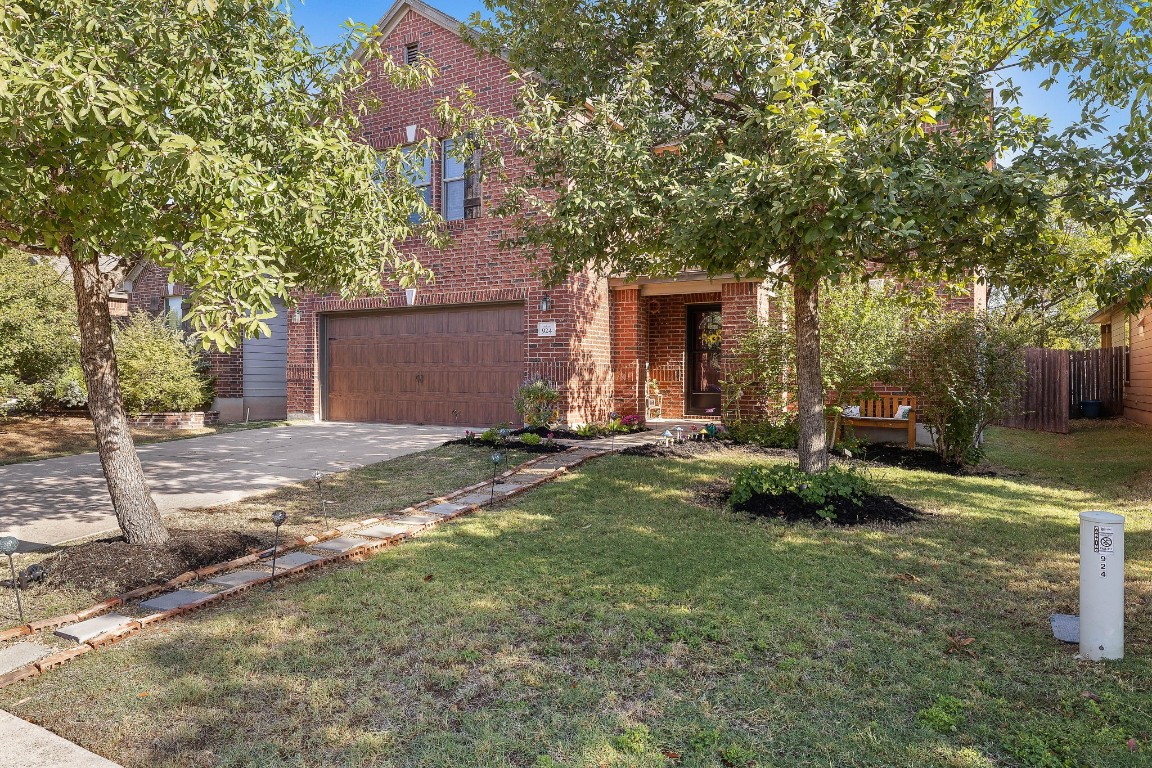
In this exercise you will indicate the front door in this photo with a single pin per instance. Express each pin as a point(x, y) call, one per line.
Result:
point(702, 397)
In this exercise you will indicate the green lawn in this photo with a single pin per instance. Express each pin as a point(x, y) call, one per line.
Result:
point(608, 620)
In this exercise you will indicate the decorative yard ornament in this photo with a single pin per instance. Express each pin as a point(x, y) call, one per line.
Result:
point(612, 417)
point(679, 433)
point(278, 518)
point(497, 457)
point(667, 437)
point(8, 546)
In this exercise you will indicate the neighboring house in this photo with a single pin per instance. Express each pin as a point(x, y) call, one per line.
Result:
point(1120, 328)
point(458, 354)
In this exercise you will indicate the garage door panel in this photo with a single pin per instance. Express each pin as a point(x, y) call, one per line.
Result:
point(417, 366)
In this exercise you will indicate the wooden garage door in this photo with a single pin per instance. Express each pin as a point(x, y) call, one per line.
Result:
point(417, 366)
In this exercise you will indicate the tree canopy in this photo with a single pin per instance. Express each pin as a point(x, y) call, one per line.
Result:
point(808, 140)
point(208, 136)
point(212, 138)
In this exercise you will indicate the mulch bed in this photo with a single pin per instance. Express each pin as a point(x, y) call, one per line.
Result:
point(904, 457)
point(114, 565)
point(687, 449)
point(517, 445)
point(870, 509)
point(567, 434)
point(791, 508)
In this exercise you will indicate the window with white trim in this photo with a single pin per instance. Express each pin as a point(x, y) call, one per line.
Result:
point(461, 181)
point(418, 171)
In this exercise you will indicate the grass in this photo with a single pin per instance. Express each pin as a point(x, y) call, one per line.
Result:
point(355, 495)
point(607, 619)
point(44, 437)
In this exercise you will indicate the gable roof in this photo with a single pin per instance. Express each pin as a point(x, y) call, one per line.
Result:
point(395, 15)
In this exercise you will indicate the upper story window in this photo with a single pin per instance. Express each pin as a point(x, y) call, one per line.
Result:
point(412, 53)
point(461, 185)
point(419, 172)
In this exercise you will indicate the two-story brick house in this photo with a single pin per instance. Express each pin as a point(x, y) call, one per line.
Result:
point(461, 349)
point(457, 351)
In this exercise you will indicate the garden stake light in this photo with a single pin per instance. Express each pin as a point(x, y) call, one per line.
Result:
point(9, 545)
point(319, 478)
point(612, 426)
point(278, 518)
point(497, 457)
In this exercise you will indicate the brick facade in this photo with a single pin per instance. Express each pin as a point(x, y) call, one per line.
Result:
point(609, 342)
point(474, 269)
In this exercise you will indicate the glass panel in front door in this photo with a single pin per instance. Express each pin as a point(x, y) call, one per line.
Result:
point(704, 359)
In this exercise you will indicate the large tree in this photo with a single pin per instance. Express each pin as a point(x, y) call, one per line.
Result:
point(809, 140)
point(210, 137)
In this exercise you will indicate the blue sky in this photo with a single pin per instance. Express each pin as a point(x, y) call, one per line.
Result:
point(322, 20)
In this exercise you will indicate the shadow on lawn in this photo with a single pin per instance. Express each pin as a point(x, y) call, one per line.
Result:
point(551, 625)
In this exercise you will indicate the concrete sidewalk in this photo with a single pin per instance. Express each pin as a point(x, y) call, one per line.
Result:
point(56, 500)
point(25, 745)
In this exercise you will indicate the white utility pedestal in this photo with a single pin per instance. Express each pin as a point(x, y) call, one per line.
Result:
point(1101, 585)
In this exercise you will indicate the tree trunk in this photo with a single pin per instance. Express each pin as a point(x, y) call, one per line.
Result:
point(135, 510)
point(813, 445)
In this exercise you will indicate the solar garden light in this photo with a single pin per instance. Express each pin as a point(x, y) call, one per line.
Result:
point(504, 434)
point(8, 546)
point(497, 457)
point(278, 518)
point(318, 478)
point(611, 418)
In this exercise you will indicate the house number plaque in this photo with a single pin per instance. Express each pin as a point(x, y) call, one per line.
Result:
point(546, 328)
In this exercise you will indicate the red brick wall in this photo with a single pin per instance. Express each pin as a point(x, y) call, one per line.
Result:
point(629, 350)
point(474, 268)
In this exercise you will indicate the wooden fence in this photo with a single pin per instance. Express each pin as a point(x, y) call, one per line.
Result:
point(1043, 403)
point(1098, 374)
point(1058, 380)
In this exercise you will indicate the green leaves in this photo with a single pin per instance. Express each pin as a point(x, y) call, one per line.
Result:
point(208, 136)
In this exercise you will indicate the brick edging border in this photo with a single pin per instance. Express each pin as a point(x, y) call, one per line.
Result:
point(60, 657)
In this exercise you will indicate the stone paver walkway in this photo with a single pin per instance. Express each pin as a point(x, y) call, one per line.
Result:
point(129, 613)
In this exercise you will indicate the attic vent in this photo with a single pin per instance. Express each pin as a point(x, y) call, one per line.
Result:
point(411, 53)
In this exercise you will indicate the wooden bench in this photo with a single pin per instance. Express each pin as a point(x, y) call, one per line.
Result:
point(881, 412)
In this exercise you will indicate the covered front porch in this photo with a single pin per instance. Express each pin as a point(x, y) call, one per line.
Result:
point(671, 338)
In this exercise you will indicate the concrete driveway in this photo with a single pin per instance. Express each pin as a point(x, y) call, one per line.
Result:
point(56, 500)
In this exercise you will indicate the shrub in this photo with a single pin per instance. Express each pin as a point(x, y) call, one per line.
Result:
point(159, 369)
point(965, 370)
point(38, 336)
point(536, 403)
point(496, 434)
point(590, 430)
point(70, 390)
point(780, 432)
point(821, 489)
point(530, 438)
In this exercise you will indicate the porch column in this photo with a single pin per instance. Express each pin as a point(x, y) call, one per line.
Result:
point(629, 350)
point(740, 305)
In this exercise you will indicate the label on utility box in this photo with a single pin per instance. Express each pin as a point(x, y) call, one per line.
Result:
point(547, 328)
point(1103, 539)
